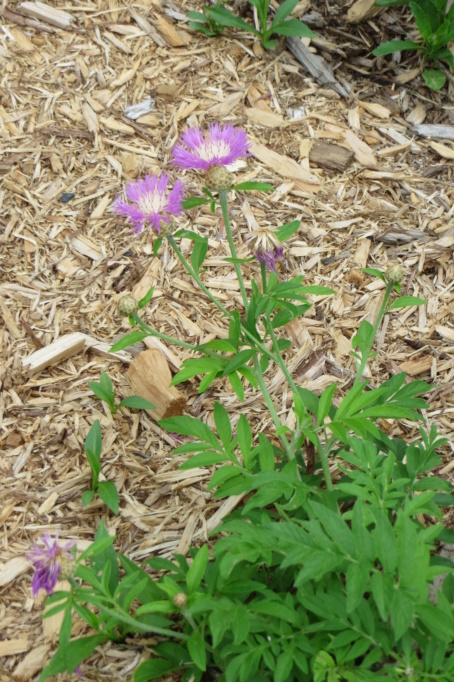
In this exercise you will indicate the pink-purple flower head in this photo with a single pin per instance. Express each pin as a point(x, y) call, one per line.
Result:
point(217, 146)
point(151, 201)
point(269, 258)
point(49, 561)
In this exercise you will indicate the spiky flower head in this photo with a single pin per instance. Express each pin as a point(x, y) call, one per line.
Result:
point(265, 246)
point(218, 178)
point(151, 201)
point(394, 274)
point(180, 600)
point(49, 562)
point(217, 146)
point(127, 306)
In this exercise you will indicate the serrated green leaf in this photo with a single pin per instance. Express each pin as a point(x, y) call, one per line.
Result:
point(189, 426)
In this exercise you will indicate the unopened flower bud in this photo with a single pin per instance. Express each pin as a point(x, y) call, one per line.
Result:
point(218, 178)
point(127, 306)
point(180, 600)
point(394, 274)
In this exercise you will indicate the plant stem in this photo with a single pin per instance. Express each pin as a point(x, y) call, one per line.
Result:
point(195, 277)
point(272, 410)
point(264, 278)
point(225, 214)
point(365, 355)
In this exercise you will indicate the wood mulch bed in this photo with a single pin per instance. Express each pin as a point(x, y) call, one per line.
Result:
point(381, 193)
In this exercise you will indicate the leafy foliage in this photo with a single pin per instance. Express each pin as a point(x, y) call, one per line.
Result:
point(105, 489)
point(436, 26)
point(214, 19)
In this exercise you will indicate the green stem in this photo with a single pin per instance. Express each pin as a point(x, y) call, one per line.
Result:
point(264, 279)
point(225, 214)
point(272, 410)
point(171, 339)
point(195, 277)
point(366, 354)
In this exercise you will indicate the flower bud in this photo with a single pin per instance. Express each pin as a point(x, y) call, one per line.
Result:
point(218, 178)
point(67, 567)
point(394, 274)
point(127, 306)
point(180, 600)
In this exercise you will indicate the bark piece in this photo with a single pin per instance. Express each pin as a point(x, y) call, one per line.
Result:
point(61, 349)
point(330, 156)
point(31, 664)
point(149, 377)
point(432, 130)
point(51, 15)
point(315, 65)
point(362, 9)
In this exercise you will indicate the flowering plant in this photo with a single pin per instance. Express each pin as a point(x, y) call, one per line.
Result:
point(324, 573)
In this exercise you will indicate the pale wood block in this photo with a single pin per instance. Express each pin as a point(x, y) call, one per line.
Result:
point(149, 377)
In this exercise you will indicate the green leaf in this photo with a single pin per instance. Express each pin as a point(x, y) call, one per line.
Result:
point(93, 441)
point(188, 234)
point(382, 587)
point(147, 298)
point(284, 665)
point(293, 27)
point(425, 17)
point(108, 493)
point(189, 426)
point(286, 231)
point(405, 302)
point(374, 272)
point(396, 46)
point(156, 246)
point(128, 340)
point(193, 202)
point(197, 569)
point(68, 657)
point(235, 383)
point(402, 610)
point(239, 360)
point(257, 186)
point(137, 403)
point(196, 647)
point(102, 553)
point(224, 17)
point(284, 10)
point(198, 254)
point(87, 497)
point(154, 668)
point(434, 79)
point(325, 403)
point(356, 579)
point(223, 425)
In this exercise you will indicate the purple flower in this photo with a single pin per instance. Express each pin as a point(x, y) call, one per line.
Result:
point(48, 562)
point(151, 201)
point(265, 246)
point(270, 257)
point(219, 146)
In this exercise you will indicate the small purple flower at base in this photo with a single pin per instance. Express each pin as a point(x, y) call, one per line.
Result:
point(269, 258)
point(219, 146)
point(48, 562)
point(152, 201)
